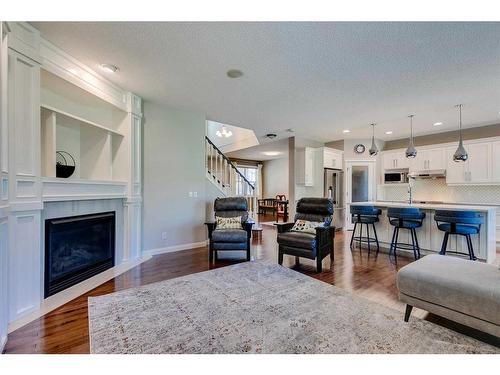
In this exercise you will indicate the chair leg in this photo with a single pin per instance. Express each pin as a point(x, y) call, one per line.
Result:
point(319, 265)
point(392, 240)
point(413, 243)
point(396, 245)
point(376, 238)
point(416, 242)
point(360, 235)
point(332, 253)
point(353, 234)
point(248, 254)
point(297, 261)
point(445, 244)
point(471, 249)
point(368, 236)
point(210, 254)
point(280, 257)
point(408, 312)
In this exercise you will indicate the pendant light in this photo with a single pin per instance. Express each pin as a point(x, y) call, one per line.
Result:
point(373, 149)
point(411, 151)
point(460, 154)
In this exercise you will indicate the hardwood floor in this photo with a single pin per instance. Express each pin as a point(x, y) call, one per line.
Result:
point(65, 330)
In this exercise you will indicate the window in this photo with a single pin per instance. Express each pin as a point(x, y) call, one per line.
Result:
point(251, 174)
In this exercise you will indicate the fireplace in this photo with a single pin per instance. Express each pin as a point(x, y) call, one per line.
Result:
point(77, 248)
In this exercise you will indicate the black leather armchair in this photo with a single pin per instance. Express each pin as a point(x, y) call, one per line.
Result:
point(307, 245)
point(230, 239)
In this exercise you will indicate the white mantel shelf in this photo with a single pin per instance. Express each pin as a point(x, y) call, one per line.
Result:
point(62, 189)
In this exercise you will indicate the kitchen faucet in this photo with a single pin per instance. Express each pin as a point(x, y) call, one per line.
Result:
point(410, 197)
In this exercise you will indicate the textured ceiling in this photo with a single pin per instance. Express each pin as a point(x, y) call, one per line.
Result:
point(317, 78)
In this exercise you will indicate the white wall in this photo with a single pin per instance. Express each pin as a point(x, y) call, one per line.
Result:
point(275, 177)
point(173, 165)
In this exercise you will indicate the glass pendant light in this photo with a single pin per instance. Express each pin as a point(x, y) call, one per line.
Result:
point(373, 149)
point(411, 151)
point(460, 154)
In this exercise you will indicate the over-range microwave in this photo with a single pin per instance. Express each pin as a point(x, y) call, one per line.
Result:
point(395, 177)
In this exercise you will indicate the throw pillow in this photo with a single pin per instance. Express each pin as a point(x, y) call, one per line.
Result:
point(228, 222)
point(305, 226)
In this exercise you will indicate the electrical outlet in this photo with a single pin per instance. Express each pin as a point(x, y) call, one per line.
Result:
point(191, 194)
point(163, 235)
point(195, 194)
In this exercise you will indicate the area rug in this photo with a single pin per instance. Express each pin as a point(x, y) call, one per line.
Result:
point(259, 307)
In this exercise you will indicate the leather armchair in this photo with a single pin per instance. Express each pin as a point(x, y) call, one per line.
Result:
point(307, 245)
point(230, 239)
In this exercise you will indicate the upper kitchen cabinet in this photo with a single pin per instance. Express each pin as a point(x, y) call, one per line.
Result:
point(431, 159)
point(395, 160)
point(495, 165)
point(332, 158)
point(476, 170)
point(305, 166)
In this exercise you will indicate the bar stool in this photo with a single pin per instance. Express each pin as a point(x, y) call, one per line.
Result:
point(367, 215)
point(460, 223)
point(405, 218)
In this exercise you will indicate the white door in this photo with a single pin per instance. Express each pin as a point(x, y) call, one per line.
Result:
point(360, 185)
point(435, 159)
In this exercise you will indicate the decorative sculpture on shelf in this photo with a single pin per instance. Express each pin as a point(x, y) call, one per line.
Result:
point(63, 170)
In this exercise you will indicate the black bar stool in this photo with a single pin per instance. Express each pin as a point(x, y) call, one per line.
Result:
point(367, 215)
point(460, 223)
point(405, 218)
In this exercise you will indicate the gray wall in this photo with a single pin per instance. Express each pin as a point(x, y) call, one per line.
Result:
point(173, 158)
point(471, 133)
point(275, 177)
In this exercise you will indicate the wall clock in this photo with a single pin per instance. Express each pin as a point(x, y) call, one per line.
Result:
point(359, 148)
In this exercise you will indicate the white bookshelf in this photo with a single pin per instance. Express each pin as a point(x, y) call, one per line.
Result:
point(77, 122)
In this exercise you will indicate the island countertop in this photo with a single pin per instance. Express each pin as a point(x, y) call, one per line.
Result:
point(431, 206)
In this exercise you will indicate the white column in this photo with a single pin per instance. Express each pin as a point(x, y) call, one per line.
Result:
point(133, 203)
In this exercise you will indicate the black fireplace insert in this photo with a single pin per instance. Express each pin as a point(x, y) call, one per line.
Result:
point(76, 248)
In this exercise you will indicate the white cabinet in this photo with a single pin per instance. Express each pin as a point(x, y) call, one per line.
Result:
point(305, 166)
point(475, 170)
point(428, 160)
point(495, 159)
point(395, 160)
point(332, 158)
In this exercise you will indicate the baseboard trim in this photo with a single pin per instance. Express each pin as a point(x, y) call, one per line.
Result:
point(59, 299)
point(173, 249)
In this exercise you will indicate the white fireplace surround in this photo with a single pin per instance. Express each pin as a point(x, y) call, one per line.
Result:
point(51, 101)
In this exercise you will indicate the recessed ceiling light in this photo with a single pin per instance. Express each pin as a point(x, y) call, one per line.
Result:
point(437, 124)
point(272, 153)
point(110, 68)
point(388, 132)
point(234, 73)
point(346, 131)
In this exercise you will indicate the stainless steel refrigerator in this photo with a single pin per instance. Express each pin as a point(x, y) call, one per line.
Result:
point(334, 189)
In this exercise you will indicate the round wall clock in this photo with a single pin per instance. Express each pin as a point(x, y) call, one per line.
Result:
point(359, 149)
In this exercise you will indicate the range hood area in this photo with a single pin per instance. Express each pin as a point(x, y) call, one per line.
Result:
point(425, 174)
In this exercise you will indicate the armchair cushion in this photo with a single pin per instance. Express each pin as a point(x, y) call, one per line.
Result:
point(229, 235)
point(228, 222)
point(298, 239)
point(305, 226)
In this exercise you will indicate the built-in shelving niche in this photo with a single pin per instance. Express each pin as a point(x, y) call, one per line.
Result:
point(87, 127)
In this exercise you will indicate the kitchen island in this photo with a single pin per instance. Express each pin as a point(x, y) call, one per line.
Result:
point(430, 237)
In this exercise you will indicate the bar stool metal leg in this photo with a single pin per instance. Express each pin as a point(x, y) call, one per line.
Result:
point(376, 238)
point(368, 236)
point(471, 249)
point(353, 234)
point(360, 235)
point(416, 241)
point(445, 244)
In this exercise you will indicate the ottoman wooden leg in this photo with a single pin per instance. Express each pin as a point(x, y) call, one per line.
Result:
point(408, 312)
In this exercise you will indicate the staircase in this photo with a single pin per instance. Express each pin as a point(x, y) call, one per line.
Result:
point(227, 178)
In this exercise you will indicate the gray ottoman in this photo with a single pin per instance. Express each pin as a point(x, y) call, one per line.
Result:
point(461, 290)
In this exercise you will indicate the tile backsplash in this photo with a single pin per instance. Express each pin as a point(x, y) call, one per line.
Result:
point(437, 190)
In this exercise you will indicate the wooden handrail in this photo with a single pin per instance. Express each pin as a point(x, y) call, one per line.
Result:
point(230, 163)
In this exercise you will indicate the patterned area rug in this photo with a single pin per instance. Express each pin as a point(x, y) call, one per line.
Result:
point(259, 307)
